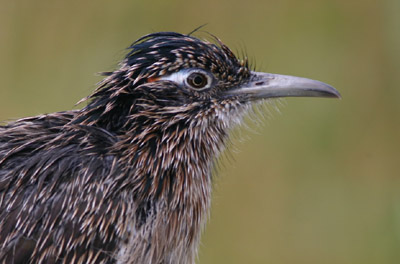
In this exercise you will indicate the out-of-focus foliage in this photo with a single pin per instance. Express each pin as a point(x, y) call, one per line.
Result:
point(320, 182)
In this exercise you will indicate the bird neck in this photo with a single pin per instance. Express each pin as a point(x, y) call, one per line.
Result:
point(165, 159)
point(172, 161)
point(172, 185)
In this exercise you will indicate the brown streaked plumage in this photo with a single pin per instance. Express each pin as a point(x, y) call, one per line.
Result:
point(127, 178)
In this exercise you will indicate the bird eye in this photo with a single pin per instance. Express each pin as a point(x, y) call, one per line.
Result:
point(197, 80)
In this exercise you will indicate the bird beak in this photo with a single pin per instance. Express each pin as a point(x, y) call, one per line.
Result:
point(268, 85)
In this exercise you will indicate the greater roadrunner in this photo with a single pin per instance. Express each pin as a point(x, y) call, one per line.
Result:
point(127, 178)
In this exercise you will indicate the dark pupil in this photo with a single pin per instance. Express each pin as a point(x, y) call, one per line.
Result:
point(197, 80)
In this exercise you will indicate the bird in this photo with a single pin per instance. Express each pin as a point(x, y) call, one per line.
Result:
point(127, 178)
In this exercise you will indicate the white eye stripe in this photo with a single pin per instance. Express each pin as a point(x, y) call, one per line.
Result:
point(181, 78)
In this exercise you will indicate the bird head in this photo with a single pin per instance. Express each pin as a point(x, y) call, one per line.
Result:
point(169, 78)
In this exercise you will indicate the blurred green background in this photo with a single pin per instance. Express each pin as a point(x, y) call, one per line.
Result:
point(319, 182)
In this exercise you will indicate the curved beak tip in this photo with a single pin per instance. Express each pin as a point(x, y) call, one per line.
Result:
point(325, 90)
